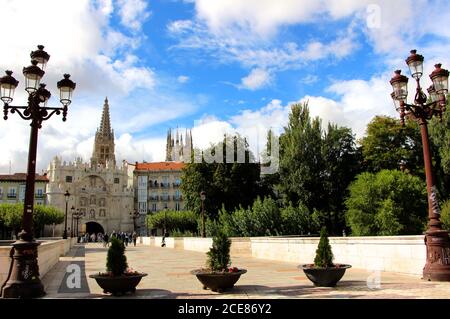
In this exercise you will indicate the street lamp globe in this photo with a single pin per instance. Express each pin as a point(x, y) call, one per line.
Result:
point(33, 75)
point(433, 94)
point(7, 86)
point(440, 79)
point(66, 87)
point(66, 196)
point(415, 64)
point(397, 103)
point(399, 85)
point(40, 56)
point(43, 94)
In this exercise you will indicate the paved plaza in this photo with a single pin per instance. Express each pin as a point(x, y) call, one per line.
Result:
point(169, 277)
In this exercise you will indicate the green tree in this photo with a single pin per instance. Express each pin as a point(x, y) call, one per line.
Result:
point(181, 221)
point(45, 215)
point(341, 163)
point(116, 261)
point(324, 255)
point(296, 220)
point(387, 203)
point(440, 145)
point(11, 216)
point(229, 184)
point(445, 215)
point(316, 166)
point(219, 254)
point(387, 144)
point(300, 159)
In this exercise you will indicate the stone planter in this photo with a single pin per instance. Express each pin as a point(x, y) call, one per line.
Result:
point(118, 285)
point(218, 281)
point(325, 277)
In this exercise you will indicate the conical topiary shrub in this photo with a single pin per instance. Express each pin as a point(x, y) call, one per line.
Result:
point(219, 276)
point(219, 253)
point(116, 261)
point(324, 255)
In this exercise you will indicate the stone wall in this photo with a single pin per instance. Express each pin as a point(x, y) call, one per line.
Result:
point(402, 254)
point(48, 255)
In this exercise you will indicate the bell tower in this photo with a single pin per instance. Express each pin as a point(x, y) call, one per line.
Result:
point(104, 141)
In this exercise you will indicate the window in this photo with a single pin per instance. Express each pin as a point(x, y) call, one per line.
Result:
point(102, 213)
point(177, 181)
point(142, 207)
point(39, 193)
point(116, 180)
point(142, 181)
point(1, 192)
point(12, 192)
point(154, 207)
point(177, 206)
point(165, 181)
point(68, 179)
point(177, 195)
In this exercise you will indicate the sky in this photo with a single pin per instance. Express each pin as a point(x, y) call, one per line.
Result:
point(213, 66)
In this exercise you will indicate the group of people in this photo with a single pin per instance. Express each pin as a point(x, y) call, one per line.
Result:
point(126, 238)
point(91, 238)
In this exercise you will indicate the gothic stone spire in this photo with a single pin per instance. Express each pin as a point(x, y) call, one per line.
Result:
point(104, 140)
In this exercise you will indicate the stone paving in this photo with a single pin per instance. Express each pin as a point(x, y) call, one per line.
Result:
point(169, 277)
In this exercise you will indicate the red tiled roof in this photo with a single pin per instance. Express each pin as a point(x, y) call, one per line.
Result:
point(160, 166)
point(22, 177)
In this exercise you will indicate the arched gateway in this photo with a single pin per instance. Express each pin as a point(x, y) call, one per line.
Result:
point(94, 228)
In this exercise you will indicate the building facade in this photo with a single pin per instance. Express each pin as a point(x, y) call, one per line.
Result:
point(12, 188)
point(99, 190)
point(157, 188)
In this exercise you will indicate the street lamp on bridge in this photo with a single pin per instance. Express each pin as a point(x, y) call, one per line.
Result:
point(23, 278)
point(437, 267)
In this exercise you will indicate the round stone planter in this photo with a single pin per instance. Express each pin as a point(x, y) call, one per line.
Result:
point(324, 277)
point(218, 281)
point(118, 285)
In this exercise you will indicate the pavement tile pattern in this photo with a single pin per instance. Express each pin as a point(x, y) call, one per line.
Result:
point(169, 277)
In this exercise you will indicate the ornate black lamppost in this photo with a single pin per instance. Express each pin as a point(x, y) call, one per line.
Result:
point(203, 198)
point(66, 197)
point(77, 217)
point(23, 279)
point(437, 267)
point(134, 215)
point(72, 210)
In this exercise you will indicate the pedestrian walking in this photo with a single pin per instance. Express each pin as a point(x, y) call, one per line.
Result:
point(105, 240)
point(134, 238)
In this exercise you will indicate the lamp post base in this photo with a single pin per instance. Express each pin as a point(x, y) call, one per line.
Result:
point(23, 280)
point(437, 267)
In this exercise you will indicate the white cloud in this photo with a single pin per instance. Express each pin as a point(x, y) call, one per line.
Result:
point(183, 79)
point(133, 13)
point(82, 41)
point(257, 79)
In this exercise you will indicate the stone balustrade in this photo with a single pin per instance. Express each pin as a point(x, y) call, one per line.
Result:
point(401, 254)
point(49, 252)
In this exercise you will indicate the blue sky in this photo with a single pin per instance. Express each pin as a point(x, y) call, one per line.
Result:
point(213, 66)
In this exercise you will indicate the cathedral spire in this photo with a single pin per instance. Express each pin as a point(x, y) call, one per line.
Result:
point(169, 146)
point(105, 123)
point(103, 153)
